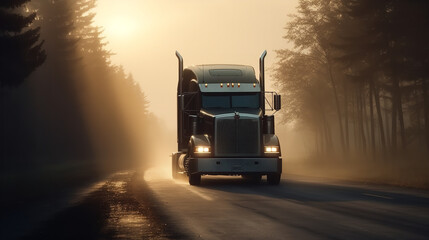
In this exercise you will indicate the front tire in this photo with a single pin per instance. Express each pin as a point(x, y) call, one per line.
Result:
point(194, 179)
point(274, 178)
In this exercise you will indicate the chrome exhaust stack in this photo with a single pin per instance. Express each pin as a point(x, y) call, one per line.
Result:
point(262, 80)
point(179, 57)
point(180, 103)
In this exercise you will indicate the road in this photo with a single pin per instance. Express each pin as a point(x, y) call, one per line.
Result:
point(299, 208)
point(128, 205)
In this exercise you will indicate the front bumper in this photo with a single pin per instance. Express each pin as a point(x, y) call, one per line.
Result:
point(234, 166)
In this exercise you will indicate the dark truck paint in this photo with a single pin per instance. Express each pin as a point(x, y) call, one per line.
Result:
point(222, 128)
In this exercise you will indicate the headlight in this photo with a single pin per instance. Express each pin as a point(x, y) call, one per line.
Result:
point(271, 149)
point(202, 149)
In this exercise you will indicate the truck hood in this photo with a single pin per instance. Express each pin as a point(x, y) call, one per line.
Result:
point(231, 112)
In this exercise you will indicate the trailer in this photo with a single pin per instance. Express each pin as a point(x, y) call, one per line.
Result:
point(222, 126)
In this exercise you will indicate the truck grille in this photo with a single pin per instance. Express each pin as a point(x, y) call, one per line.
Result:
point(237, 137)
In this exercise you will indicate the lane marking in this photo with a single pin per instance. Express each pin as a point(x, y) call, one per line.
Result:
point(190, 188)
point(374, 195)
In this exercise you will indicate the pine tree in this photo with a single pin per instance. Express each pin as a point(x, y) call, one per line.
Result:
point(20, 49)
point(377, 52)
point(311, 32)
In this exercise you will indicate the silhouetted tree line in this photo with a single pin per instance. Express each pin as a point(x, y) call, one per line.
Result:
point(358, 76)
point(75, 106)
point(20, 49)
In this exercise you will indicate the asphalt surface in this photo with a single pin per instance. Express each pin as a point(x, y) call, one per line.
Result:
point(299, 208)
point(119, 207)
point(127, 205)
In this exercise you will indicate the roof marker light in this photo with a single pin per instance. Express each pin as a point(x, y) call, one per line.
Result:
point(227, 84)
point(205, 85)
point(221, 85)
point(238, 84)
point(232, 84)
point(254, 85)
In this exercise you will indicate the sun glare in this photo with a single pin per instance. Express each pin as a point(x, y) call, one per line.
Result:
point(121, 26)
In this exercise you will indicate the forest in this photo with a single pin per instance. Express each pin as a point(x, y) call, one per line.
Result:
point(85, 155)
point(65, 108)
point(357, 79)
point(355, 84)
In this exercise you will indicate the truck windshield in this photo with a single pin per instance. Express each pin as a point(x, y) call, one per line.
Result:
point(231, 101)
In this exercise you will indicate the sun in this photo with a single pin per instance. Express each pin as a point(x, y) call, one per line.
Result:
point(121, 26)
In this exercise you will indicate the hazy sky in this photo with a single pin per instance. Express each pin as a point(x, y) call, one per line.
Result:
point(145, 34)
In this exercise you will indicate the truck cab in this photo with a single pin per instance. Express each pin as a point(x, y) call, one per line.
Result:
point(222, 126)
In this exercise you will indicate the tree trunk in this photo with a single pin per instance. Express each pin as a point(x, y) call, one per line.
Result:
point(355, 120)
point(361, 122)
point(364, 114)
point(346, 115)
point(426, 111)
point(401, 117)
point(331, 143)
point(386, 117)
point(337, 104)
point(394, 131)
point(380, 120)
point(371, 115)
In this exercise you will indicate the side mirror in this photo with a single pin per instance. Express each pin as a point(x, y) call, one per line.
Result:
point(277, 102)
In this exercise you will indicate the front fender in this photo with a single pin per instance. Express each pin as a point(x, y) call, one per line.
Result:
point(272, 140)
point(198, 140)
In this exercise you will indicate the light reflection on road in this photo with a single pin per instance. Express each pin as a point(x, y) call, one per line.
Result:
point(157, 173)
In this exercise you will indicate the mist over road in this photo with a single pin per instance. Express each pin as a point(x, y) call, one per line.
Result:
point(231, 208)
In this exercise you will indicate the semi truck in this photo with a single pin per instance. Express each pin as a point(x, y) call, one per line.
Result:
point(222, 125)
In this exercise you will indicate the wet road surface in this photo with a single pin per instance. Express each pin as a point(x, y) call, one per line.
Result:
point(118, 208)
point(231, 208)
point(130, 206)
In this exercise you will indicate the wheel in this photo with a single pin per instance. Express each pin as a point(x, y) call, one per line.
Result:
point(273, 178)
point(253, 178)
point(174, 168)
point(194, 179)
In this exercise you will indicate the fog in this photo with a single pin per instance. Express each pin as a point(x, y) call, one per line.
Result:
point(102, 84)
point(145, 35)
point(203, 32)
point(88, 94)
